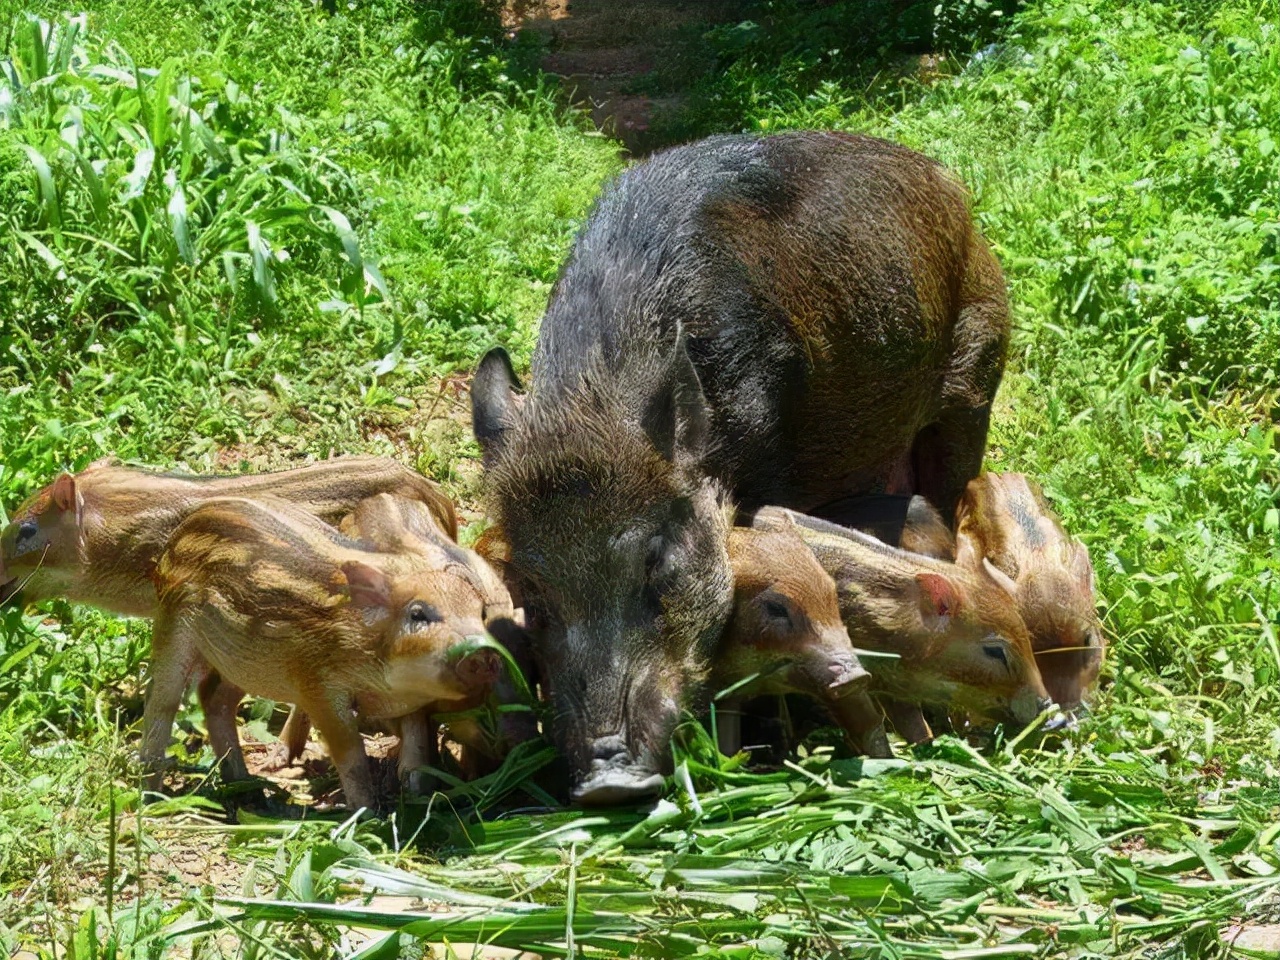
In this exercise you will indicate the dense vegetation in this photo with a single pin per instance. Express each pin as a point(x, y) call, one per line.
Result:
point(237, 232)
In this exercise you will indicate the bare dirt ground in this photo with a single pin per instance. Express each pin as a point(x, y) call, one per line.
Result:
point(624, 62)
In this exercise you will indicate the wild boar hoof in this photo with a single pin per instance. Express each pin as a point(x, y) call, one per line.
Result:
point(612, 783)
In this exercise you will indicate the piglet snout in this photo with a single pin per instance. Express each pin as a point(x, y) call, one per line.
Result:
point(847, 678)
point(479, 669)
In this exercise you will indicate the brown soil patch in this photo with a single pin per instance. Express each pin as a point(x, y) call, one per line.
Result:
point(622, 62)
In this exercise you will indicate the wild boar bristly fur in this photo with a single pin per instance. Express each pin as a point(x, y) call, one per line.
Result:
point(584, 493)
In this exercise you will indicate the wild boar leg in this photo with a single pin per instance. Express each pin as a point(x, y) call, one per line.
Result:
point(220, 700)
point(336, 721)
point(863, 724)
point(908, 720)
point(173, 655)
point(947, 454)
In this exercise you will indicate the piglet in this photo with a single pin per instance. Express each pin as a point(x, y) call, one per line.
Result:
point(785, 631)
point(1004, 525)
point(283, 606)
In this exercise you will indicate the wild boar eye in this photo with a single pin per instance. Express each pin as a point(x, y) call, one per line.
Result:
point(996, 652)
point(423, 613)
point(658, 559)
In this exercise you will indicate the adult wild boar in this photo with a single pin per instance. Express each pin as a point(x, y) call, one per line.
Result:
point(786, 320)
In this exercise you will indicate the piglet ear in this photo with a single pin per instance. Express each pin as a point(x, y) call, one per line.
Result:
point(1081, 567)
point(939, 598)
point(1002, 579)
point(968, 551)
point(64, 492)
point(367, 586)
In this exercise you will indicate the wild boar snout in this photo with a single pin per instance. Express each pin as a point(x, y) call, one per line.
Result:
point(614, 780)
point(614, 719)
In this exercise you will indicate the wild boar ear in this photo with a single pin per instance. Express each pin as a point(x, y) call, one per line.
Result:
point(677, 420)
point(494, 398)
point(367, 586)
point(64, 492)
point(939, 599)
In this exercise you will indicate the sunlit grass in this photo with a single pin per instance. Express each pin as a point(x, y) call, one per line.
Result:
point(1124, 164)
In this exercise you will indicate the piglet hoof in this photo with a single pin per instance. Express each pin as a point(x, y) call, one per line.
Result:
point(479, 670)
point(419, 783)
point(153, 773)
point(276, 757)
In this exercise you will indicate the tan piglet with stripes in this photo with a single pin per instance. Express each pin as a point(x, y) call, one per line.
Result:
point(94, 537)
point(283, 606)
point(1004, 524)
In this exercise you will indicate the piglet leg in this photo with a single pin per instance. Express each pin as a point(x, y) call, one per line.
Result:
point(729, 726)
point(173, 655)
point(909, 721)
point(418, 749)
point(220, 700)
point(863, 724)
point(336, 722)
point(293, 740)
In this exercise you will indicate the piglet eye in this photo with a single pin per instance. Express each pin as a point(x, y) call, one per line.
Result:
point(996, 652)
point(420, 612)
point(777, 611)
point(27, 529)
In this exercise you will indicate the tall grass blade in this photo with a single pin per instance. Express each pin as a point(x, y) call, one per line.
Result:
point(49, 201)
point(178, 220)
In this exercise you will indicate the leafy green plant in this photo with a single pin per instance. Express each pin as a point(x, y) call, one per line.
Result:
point(144, 180)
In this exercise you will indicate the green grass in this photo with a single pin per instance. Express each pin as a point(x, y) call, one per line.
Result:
point(1124, 163)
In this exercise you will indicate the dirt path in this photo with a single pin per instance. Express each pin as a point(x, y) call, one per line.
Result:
point(625, 60)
